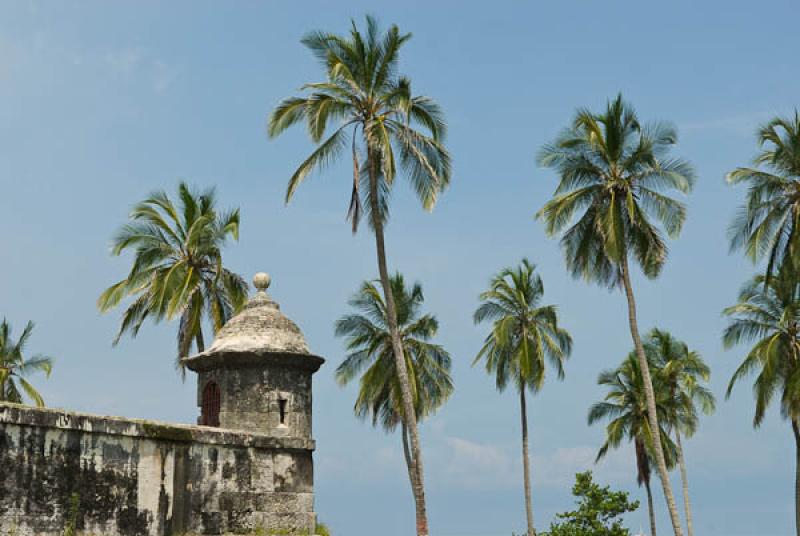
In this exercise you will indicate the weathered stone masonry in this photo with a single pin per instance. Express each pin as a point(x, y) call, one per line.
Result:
point(135, 477)
point(128, 477)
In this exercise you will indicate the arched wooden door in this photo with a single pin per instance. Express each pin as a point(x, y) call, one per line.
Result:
point(210, 410)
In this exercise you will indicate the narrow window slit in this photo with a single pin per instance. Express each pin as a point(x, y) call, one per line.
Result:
point(282, 410)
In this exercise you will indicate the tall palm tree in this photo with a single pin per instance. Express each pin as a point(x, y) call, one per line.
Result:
point(627, 408)
point(177, 267)
point(524, 334)
point(613, 170)
point(371, 359)
point(383, 123)
point(14, 367)
point(684, 373)
point(767, 225)
point(768, 316)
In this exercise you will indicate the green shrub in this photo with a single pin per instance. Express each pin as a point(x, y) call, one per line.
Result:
point(72, 515)
point(598, 513)
point(323, 530)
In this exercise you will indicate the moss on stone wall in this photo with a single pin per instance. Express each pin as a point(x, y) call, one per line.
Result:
point(125, 477)
point(165, 432)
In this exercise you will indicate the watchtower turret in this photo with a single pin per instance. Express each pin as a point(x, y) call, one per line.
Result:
point(256, 376)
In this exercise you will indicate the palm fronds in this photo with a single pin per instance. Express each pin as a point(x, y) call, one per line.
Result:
point(177, 269)
point(765, 228)
point(391, 127)
point(524, 332)
point(609, 202)
point(371, 358)
point(15, 367)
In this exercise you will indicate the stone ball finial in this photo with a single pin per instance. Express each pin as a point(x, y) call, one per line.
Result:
point(262, 281)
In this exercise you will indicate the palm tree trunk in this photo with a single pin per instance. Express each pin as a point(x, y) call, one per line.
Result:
point(685, 483)
point(652, 416)
point(650, 508)
point(796, 430)
point(409, 416)
point(526, 465)
point(407, 454)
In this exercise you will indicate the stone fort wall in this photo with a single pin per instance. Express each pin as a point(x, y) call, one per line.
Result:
point(125, 477)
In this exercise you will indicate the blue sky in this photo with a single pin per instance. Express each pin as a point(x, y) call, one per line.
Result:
point(100, 103)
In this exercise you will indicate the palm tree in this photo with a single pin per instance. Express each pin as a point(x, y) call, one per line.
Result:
point(177, 268)
point(14, 367)
point(523, 334)
point(376, 114)
point(683, 372)
point(767, 225)
point(627, 408)
point(613, 170)
point(371, 359)
point(768, 316)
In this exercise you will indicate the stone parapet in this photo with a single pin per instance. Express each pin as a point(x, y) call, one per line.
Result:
point(145, 429)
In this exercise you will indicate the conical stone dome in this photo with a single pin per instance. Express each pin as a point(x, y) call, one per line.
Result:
point(260, 329)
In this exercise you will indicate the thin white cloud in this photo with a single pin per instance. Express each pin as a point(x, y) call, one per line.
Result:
point(138, 62)
point(124, 61)
point(558, 468)
point(132, 63)
point(741, 124)
point(465, 463)
point(476, 465)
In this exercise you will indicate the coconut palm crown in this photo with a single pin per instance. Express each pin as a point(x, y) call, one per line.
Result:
point(626, 407)
point(767, 224)
point(684, 373)
point(15, 367)
point(524, 332)
point(768, 316)
point(365, 107)
point(613, 171)
point(371, 356)
point(177, 267)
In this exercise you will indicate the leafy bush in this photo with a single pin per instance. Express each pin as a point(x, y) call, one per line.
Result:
point(598, 513)
point(323, 530)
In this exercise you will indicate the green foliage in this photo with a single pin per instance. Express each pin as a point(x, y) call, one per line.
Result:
point(376, 115)
point(766, 226)
point(768, 316)
point(625, 405)
point(524, 332)
point(370, 354)
point(322, 530)
point(177, 270)
point(14, 367)
point(598, 511)
point(72, 515)
point(613, 171)
point(684, 374)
